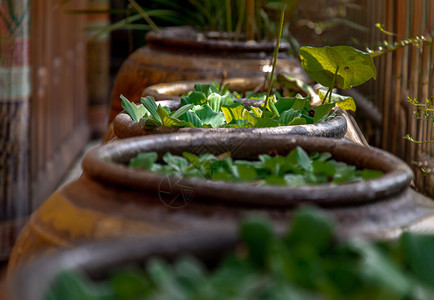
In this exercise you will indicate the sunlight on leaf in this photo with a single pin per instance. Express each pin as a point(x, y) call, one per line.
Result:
point(354, 67)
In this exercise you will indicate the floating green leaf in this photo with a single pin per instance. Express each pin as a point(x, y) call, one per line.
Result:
point(195, 98)
point(172, 122)
point(287, 116)
point(321, 112)
point(310, 227)
point(296, 167)
point(192, 118)
point(136, 112)
point(144, 160)
point(209, 116)
point(297, 121)
point(151, 106)
point(283, 104)
point(233, 112)
point(266, 122)
point(182, 110)
point(215, 101)
point(343, 102)
point(308, 261)
point(418, 248)
point(145, 122)
point(257, 233)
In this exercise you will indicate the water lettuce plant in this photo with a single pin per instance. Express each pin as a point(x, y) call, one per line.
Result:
point(306, 262)
point(296, 168)
point(214, 106)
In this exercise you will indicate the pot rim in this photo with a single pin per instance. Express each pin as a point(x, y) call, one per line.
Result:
point(186, 37)
point(104, 164)
point(32, 280)
point(173, 90)
point(125, 127)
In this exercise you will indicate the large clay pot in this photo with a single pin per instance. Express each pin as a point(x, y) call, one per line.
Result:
point(124, 127)
point(182, 53)
point(100, 259)
point(169, 94)
point(112, 200)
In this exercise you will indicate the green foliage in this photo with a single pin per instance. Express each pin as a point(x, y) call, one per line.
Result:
point(424, 111)
point(306, 262)
point(386, 47)
point(345, 66)
point(339, 66)
point(296, 168)
point(212, 106)
point(135, 112)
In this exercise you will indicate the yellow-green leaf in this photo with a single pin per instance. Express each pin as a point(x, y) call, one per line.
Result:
point(347, 104)
point(353, 67)
point(233, 112)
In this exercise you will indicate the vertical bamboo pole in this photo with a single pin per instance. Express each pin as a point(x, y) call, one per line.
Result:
point(413, 81)
point(98, 65)
point(388, 79)
point(250, 20)
point(405, 80)
point(396, 140)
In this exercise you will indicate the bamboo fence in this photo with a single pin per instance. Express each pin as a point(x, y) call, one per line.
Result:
point(402, 74)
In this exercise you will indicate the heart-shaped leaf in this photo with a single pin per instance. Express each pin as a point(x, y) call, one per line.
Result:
point(353, 67)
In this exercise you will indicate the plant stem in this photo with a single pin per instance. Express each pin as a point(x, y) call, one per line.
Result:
point(240, 19)
point(276, 52)
point(332, 86)
point(228, 16)
point(418, 40)
point(144, 15)
point(129, 32)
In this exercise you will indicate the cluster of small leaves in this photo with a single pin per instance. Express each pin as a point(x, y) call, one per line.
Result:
point(209, 106)
point(296, 168)
point(424, 111)
point(307, 262)
point(387, 47)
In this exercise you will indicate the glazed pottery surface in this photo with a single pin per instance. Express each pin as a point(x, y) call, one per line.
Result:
point(177, 54)
point(112, 200)
point(99, 259)
point(169, 95)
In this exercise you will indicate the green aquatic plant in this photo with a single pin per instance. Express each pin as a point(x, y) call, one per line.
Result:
point(308, 261)
point(212, 106)
point(296, 168)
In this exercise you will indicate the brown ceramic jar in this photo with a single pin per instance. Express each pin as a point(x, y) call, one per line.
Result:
point(182, 53)
point(112, 200)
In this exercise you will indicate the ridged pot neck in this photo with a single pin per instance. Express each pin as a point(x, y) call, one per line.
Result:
point(191, 39)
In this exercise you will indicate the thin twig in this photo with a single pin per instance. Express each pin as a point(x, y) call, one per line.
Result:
point(144, 15)
point(276, 51)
